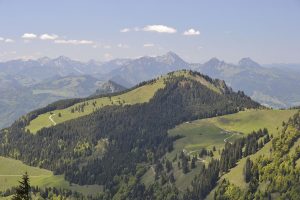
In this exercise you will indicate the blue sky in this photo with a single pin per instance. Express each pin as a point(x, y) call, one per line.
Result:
point(268, 31)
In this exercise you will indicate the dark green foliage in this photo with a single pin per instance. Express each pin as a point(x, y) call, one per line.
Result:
point(231, 154)
point(193, 162)
point(247, 170)
point(204, 182)
point(252, 145)
point(203, 152)
point(23, 190)
point(169, 166)
point(184, 163)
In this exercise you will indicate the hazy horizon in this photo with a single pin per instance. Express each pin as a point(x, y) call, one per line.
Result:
point(265, 31)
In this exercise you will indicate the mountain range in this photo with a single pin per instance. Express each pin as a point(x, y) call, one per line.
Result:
point(30, 84)
point(179, 136)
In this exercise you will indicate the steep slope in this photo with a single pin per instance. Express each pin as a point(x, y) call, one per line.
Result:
point(133, 135)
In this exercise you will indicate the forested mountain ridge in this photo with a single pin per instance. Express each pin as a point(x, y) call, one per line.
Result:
point(141, 93)
point(117, 141)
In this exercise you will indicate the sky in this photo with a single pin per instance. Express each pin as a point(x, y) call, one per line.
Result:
point(268, 31)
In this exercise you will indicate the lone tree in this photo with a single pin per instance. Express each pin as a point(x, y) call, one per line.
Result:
point(23, 190)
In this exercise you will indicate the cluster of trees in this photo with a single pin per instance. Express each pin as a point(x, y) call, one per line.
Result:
point(184, 162)
point(204, 182)
point(242, 148)
point(80, 107)
point(252, 144)
point(134, 132)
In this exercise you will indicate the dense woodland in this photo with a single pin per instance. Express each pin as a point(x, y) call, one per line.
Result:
point(136, 135)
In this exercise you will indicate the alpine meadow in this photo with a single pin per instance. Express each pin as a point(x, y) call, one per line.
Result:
point(96, 105)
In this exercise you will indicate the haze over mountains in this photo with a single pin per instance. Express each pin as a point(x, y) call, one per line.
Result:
point(26, 85)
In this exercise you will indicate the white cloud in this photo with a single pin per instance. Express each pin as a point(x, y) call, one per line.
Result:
point(159, 29)
point(29, 36)
point(148, 45)
point(191, 32)
point(124, 30)
point(1, 38)
point(74, 42)
point(48, 37)
point(9, 40)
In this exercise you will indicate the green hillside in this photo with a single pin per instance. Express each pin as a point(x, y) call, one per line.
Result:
point(11, 171)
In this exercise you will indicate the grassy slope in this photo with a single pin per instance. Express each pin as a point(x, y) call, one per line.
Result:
point(11, 171)
point(210, 132)
point(139, 95)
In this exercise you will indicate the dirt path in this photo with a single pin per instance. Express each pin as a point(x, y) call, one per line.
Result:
point(225, 140)
point(50, 118)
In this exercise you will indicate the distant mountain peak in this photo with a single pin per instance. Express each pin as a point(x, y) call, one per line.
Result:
point(170, 58)
point(213, 62)
point(171, 53)
point(44, 60)
point(248, 62)
point(62, 58)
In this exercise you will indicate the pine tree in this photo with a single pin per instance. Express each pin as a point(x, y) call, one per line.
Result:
point(23, 190)
point(247, 170)
point(193, 163)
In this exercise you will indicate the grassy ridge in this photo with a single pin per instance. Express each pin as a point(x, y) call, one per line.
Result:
point(11, 171)
point(139, 95)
